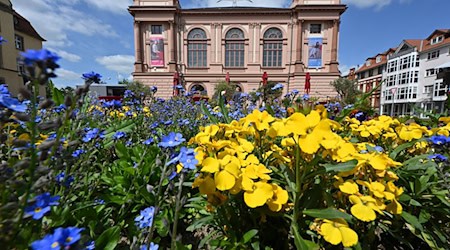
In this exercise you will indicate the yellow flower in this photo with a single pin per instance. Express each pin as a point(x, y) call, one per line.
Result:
point(337, 231)
point(349, 187)
point(260, 119)
point(259, 194)
point(205, 185)
point(279, 198)
point(225, 171)
point(394, 207)
point(364, 208)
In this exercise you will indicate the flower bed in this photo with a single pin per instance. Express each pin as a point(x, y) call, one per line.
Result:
point(82, 173)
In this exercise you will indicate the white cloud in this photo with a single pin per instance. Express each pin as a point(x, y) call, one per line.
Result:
point(54, 21)
point(377, 4)
point(122, 64)
point(67, 78)
point(345, 69)
point(66, 55)
point(116, 6)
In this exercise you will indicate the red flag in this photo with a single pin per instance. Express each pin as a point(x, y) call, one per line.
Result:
point(307, 83)
point(227, 77)
point(176, 77)
point(264, 78)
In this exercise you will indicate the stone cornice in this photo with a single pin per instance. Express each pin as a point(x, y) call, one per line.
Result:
point(341, 8)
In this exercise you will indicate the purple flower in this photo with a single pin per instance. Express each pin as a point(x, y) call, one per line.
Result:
point(92, 77)
point(41, 206)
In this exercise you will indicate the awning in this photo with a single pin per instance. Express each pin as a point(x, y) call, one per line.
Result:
point(443, 66)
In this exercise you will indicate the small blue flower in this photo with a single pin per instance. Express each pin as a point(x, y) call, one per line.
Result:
point(277, 86)
point(12, 104)
point(438, 157)
point(77, 153)
point(145, 219)
point(154, 89)
point(90, 245)
point(348, 106)
point(149, 141)
point(187, 158)
point(62, 238)
point(92, 77)
point(99, 201)
point(2, 40)
point(4, 90)
point(41, 206)
point(92, 134)
point(305, 97)
point(60, 179)
point(440, 139)
point(153, 246)
point(379, 149)
point(119, 135)
point(40, 56)
point(172, 140)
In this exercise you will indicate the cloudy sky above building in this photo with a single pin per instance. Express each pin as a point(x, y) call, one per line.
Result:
point(93, 35)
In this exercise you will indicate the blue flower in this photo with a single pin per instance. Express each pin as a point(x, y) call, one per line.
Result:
point(172, 140)
point(2, 40)
point(277, 86)
point(99, 201)
point(92, 77)
point(90, 245)
point(4, 90)
point(41, 206)
point(77, 153)
point(149, 141)
point(12, 104)
point(187, 158)
point(379, 149)
point(438, 157)
point(440, 139)
point(153, 246)
point(61, 238)
point(92, 134)
point(348, 106)
point(40, 56)
point(128, 93)
point(305, 97)
point(119, 135)
point(154, 89)
point(60, 179)
point(145, 219)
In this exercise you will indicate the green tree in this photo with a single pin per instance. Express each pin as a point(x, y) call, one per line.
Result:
point(347, 89)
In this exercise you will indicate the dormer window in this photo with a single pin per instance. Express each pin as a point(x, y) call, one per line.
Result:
point(367, 63)
point(437, 39)
point(378, 60)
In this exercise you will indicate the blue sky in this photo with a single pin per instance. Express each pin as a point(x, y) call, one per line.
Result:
point(97, 35)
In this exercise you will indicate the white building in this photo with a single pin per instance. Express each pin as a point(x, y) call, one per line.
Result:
point(411, 76)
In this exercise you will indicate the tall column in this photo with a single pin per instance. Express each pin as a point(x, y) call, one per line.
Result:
point(334, 47)
point(257, 41)
point(219, 43)
point(252, 43)
point(138, 46)
point(213, 37)
point(171, 42)
point(299, 65)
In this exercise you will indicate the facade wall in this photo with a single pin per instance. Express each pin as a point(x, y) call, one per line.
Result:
point(294, 24)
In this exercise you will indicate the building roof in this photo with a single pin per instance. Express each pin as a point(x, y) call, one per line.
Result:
point(427, 42)
point(373, 63)
point(24, 26)
point(414, 42)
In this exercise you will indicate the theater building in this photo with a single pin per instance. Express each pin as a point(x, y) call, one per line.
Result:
point(198, 48)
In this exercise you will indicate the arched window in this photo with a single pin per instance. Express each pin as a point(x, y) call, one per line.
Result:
point(273, 48)
point(234, 48)
point(197, 53)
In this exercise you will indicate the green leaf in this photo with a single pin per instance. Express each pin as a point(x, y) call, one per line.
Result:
point(57, 96)
point(341, 167)
point(328, 213)
point(411, 219)
point(413, 202)
point(108, 240)
point(122, 151)
point(249, 235)
point(402, 147)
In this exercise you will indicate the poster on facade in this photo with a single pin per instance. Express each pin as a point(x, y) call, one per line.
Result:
point(157, 51)
point(315, 52)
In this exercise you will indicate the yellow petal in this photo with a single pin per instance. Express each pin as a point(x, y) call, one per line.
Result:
point(207, 186)
point(309, 143)
point(363, 213)
point(349, 237)
point(394, 207)
point(349, 187)
point(259, 196)
point(224, 180)
point(210, 165)
point(330, 233)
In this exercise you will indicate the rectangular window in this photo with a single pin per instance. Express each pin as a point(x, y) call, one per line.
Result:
point(437, 39)
point(20, 68)
point(315, 28)
point(440, 89)
point(378, 60)
point(272, 54)
point(370, 72)
point(404, 63)
point(433, 54)
point(380, 70)
point(19, 42)
point(428, 89)
point(417, 61)
point(430, 72)
point(234, 54)
point(157, 29)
